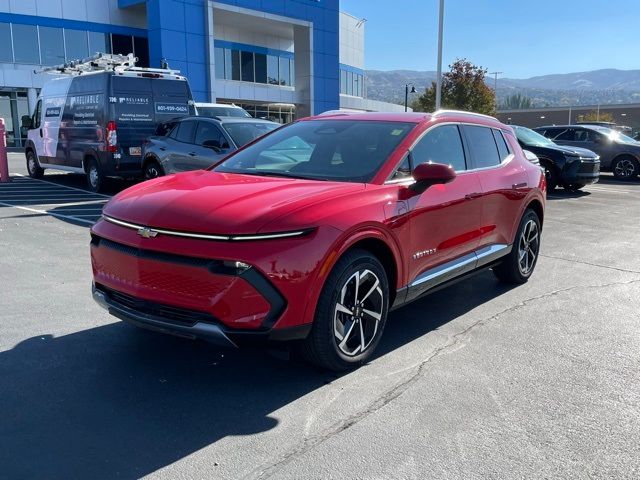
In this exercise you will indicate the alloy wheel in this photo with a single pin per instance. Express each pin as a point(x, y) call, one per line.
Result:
point(528, 247)
point(358, 312)
point(152, 172)
point(31, 162)
point(93, 176)
point(624, 168)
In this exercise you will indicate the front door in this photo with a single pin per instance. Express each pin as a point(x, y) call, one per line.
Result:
point(445, 219)
point(210, 146)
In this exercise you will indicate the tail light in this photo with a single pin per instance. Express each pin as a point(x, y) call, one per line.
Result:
point(112, 137)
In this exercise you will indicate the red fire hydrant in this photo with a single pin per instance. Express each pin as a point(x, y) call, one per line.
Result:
point(4, 163)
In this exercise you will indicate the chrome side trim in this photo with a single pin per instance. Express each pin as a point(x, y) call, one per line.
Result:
point(460, 265)
point(204, 236)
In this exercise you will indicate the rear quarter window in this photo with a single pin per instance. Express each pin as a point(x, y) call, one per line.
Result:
point(483, 146)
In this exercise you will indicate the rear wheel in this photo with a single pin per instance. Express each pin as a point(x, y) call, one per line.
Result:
point(33, 166)
point(518, 266)
point(625, 168)
point(152, 170)
point(95, 177)
point(351, 313)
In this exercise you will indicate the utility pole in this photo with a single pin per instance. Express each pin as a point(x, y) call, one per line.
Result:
point(495, 85)
point(439, 70)
point(569, 115)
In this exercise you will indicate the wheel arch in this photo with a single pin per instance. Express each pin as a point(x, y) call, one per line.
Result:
point(537, 207)
point(379, 249)
point(89, 154)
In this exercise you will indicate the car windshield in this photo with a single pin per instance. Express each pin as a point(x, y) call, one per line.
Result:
point(531, 138)
point(243, 133)
point(223, 112)
point(340, 150)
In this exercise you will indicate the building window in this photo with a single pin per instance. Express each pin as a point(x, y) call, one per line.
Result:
point(121, 44)
point(261, 67)
point(76, 44)
point(272, 70)
point(51, 46)
point(219, 60)
point(25, 43)
point(247, 66)
point(99, 43)
point(235, 64)
point(6, 54)
point(343, 81)
point(285, 72)
point(141, 50)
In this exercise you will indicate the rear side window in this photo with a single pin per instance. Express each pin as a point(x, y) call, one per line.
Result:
point(566, 135)
point(184, 132)
point(440, 145)
point(483, 146)
point(503, 148)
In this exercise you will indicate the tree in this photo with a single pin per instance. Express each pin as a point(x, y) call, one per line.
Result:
point(516, 101)
point(593, 116)
point(463, 88)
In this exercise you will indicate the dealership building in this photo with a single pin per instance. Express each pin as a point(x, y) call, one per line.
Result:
point(280, 59)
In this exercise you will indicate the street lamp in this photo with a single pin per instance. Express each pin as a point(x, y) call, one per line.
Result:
point(495, 85)
point(439, 68)
point(407, 92)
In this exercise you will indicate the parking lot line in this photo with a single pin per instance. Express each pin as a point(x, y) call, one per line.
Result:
point(53, 214)
point(23, 178)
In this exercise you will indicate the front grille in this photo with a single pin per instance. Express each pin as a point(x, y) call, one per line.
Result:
point(175, 315)
point(589, 167)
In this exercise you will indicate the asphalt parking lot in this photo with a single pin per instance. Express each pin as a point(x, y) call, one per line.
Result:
point(475, 381)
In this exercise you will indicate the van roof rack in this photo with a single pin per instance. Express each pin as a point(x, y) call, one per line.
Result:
point(103, 62)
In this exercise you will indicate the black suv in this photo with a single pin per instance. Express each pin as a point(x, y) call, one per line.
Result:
point(570, 167)
point(618, 153)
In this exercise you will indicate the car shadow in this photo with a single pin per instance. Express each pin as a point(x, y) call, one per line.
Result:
point(115, 401)
point(611, 180)
point(564, 194)
point(74, 180)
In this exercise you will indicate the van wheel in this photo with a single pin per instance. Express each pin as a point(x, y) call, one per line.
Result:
point(351, 313)
point(33, 167)
point(95, 177)
point(518, 266)
point(152, 170)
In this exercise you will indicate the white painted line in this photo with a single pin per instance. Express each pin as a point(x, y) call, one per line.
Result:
point(35, 210)
point(87, 203)
point(65, 186)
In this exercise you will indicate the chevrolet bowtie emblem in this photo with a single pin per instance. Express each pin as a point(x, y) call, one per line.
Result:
point(147, 232)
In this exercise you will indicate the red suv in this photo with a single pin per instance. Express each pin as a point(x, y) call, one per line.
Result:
point(315, 231)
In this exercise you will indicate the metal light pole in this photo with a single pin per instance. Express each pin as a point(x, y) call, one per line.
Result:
point(406, 94)
point(439, 72)
point(495, 84)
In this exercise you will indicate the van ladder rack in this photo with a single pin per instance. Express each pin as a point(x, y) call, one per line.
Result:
point(103, 62)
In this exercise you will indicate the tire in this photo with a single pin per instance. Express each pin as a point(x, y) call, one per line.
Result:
point(551, 176)
point(336, 339)
point(517, 267)
point(33, 166)
point(95, 177)
point(625, 168)
point(152, 169)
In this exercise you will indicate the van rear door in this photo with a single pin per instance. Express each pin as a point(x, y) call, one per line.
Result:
point(138, 105)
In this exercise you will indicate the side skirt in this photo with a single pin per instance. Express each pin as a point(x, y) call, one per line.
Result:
point(451, 272)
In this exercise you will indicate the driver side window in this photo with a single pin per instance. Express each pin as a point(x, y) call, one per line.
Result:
point(37, 114)
point(440, 145)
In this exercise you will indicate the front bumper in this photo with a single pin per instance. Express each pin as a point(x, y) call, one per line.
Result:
point(583, 171)
point(184, 323)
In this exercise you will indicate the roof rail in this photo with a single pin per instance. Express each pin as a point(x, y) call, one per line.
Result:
point(462, 112)
point(103, 62)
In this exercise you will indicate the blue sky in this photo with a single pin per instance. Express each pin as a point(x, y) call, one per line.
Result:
point(521, 38)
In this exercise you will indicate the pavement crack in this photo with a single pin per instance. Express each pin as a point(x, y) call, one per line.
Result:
point(590, 264)
point(310, 442)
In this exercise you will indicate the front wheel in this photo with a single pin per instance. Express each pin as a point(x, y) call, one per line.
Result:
point(33, 167)
point(551, 176)
point(625, 168)
point(518, 266)
point(351, 313)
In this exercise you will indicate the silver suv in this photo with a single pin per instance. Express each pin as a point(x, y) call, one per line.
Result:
point(618, 153)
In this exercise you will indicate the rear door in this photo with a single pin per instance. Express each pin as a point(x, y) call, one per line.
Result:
point(181, 152)
point(504, 183)
point(445, 219)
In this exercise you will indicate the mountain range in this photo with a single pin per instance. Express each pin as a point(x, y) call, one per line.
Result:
point(607, 86)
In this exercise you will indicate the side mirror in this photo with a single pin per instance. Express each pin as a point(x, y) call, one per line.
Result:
point(532, 157)
point(26, 122)
point(427, 174)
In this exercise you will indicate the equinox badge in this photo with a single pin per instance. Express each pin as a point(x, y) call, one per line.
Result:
point(147, 232)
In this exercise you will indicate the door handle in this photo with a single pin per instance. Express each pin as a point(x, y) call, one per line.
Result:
point(471, 196)
point(40, 133)
point(163, 148)
point(517, 186)
point(192, 154)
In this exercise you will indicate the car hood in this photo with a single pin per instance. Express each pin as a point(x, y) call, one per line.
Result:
point(221, 203)
point(575, 151)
